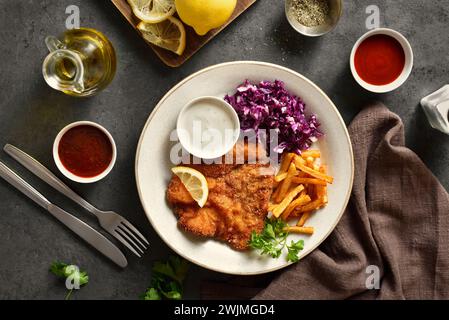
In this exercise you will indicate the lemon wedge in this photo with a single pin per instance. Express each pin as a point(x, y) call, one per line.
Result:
point(195, 183)
point(169, 34)
point(152, 11)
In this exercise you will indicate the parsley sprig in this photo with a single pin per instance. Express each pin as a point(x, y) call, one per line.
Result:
point(167, 279)
point(273, 240)
point(63, 270)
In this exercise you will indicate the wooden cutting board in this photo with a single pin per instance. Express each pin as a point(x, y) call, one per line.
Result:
point(193, 41)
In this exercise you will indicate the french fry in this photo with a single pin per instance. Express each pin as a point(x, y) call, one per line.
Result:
point(321, 190)
point(310, 162)
point(302, 221)
point(301, 230)
point(285, 185)
point(280, 177)
point(285, 164)
point(300, 174)
point(311, 190)
point(287, 200)
point(302, 200)
point(309, 181)
point(296, 214)
point(311, 153)
point(275, 194)
point(271, 207)
point(314, 205)
point(301, 165)
point(324, 188)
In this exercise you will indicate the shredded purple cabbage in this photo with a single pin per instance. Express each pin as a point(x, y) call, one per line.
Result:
point(268, 105)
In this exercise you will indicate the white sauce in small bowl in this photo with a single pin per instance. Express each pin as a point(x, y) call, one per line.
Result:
point(208, 127)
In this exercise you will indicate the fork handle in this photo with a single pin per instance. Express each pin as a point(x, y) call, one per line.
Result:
point(46, 175)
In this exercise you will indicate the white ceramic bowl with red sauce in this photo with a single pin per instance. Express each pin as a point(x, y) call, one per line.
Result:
point(406, 70)
point(71, 174)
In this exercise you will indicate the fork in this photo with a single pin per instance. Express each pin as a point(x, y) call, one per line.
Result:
point(110, 221)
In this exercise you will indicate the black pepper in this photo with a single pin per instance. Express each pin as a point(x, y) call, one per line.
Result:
point(310, 13)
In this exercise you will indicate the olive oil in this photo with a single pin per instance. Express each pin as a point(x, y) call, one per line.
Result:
point(81, 62)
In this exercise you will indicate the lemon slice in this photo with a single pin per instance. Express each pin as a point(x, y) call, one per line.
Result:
point(169, 34)
point(195, 183)
point(152, 11)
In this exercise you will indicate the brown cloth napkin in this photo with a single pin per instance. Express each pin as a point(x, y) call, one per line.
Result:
point(397, 220)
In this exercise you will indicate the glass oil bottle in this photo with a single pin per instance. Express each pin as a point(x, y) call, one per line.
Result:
point(81, 62)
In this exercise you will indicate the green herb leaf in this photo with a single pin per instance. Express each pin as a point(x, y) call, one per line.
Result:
point(180, 267)
point(269, 231)
point(152, 294)
point(84, 278)
point(173, 291)
point(165, 269)
point(63, 270)
point(167, 279)
point(294, 249)
point(58, 269)
point(279, 226)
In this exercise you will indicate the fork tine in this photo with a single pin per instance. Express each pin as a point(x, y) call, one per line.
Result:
point(129, 232)
point(129, 225)
point(123, 233)
point(125, 243)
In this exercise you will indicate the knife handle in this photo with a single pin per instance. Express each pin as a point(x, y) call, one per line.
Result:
point(20, 184)
point(86, 232)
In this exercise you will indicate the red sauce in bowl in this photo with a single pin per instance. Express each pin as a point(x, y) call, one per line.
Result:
point(379, 60)
point(85, 151)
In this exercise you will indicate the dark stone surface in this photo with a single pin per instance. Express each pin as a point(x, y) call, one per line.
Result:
point(31, 114)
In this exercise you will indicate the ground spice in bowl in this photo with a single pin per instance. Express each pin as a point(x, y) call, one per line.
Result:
point(310, 13)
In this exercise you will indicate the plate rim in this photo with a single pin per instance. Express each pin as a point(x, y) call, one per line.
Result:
point(216, 66)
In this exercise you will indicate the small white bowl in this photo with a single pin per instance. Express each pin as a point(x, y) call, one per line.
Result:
point(186, 140)
point(69, 174)
point(405, 72)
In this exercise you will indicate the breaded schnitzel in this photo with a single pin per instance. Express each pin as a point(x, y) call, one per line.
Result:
point(237, 203)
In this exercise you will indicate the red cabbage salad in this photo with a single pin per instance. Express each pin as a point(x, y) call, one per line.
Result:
point(268, 105)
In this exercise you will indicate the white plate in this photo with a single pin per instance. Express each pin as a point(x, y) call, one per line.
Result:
point(153, 164)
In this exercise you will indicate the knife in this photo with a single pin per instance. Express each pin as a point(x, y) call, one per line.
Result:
point(86, 232)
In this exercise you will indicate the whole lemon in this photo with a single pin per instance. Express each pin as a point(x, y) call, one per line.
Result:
point(204, 15)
